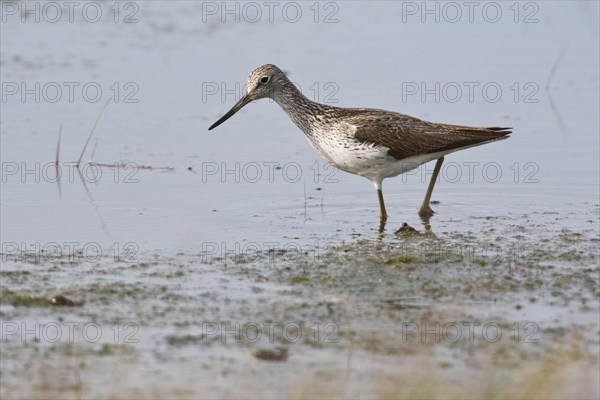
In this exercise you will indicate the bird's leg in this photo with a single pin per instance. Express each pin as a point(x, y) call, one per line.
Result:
point(425, 211)
point(383, 213)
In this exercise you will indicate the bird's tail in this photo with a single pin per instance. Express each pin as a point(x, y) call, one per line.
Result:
point(487, 133)
point(500, 131)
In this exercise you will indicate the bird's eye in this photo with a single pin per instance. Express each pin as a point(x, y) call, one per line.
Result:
point(264, 79)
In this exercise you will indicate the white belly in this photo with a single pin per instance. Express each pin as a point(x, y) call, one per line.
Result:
point(370, 161)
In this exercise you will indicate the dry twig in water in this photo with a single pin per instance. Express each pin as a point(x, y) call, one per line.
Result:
point(58, 145)
point(91, 133)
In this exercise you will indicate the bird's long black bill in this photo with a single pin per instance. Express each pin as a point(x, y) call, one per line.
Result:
point(237, 107)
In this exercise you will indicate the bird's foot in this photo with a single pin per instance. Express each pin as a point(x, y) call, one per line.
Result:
point(382, 221)
point(425, 211)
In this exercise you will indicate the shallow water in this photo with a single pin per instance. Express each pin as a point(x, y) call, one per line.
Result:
point(231, 225)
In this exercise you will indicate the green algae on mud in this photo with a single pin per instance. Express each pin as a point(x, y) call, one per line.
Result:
point(457, 300)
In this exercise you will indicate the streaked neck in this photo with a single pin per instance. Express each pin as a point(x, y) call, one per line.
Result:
point(300, 109)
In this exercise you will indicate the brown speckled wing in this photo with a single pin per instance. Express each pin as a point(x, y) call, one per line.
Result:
point(406, 136)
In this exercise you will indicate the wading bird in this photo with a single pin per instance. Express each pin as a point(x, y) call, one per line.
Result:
point(376, 144)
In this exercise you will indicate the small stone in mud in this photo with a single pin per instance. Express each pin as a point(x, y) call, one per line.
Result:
point(406, 229)
point(276, 354)
point(256, 289)
point(61, 300)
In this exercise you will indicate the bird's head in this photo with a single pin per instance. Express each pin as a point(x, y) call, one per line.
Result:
point(264, 81)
